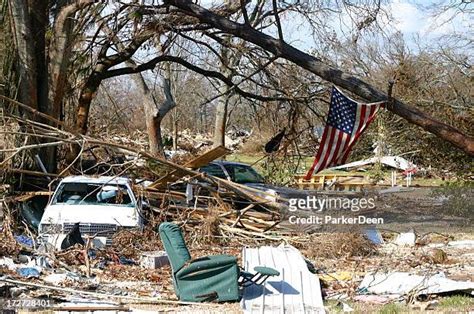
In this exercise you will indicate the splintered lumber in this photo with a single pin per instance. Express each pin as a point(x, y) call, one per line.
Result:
point(197, 162)
point(29, 195)
point(33, 173)
point(345, 180)
point(207, 157)
point(122, 298)
point(244, 219)
point(213, 184)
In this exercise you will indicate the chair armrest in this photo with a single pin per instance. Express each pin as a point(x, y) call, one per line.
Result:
point(206, 263)
point(266, 271)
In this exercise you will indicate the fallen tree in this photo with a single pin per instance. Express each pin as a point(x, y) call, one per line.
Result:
point(66, 137)
point(347, 81)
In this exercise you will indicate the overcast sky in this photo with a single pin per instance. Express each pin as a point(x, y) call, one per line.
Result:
point(408, 19)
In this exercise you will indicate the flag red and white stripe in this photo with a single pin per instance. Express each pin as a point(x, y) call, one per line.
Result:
point(347, 120)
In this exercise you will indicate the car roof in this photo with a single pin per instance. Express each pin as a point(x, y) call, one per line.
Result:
point(230, 163)
point(98, 180)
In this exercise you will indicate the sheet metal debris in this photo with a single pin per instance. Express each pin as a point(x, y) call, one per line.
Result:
point(401, 283)
point(406, 239)
point(295, 290)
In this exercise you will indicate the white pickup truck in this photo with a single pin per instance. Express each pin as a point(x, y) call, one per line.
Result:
point(101, 206)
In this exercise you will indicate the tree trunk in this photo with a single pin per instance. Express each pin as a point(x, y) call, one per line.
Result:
point(39, 23)
point(154, 135)
point(221, 118)
point(104, 62)
point(60, 52)
point(175, 132)
point(150, 107)
point(26, 65)
point(154, 113)
point(328, 73)
point(30, 21)
point(222, 105)
point(167, 104)
point(88, 92)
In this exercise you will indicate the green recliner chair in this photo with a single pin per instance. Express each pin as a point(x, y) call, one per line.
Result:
point(209, 278)
point(204, 279)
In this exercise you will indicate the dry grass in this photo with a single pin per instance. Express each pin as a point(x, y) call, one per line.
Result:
point(130, 243)
point(254, 144)
point(337, 245)
point(8, 244)
point(208, 232)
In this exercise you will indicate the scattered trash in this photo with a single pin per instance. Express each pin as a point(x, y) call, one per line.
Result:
point(72, 238)
point(431, 305)
point(337, 276)
point(345, 307)
point(462, 244)
point(376, 299)
point(406, 239)
point(24, 240)
point(154, 260)
point(438, 256)
point(43, 261)
point(403, 284)
point(32, 207)
point(28, 272)
point(395, 189)
point(219, 217)
point(395, 162)
point(58, 278)
point(8, 262)
point(424, 306)
point(126, 261)
point(373, 235)
point(90, 305)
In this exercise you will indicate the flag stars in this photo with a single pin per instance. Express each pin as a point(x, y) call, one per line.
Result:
point(342, 113)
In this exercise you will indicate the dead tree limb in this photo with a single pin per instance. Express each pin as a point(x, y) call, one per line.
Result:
point(326, 72)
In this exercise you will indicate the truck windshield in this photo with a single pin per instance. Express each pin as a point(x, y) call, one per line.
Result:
point(243, 174)
point(93, 194)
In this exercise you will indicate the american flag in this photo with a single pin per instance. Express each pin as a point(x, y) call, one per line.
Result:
point(346, 121)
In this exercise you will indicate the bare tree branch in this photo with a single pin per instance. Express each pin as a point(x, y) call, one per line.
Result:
point(334, 75)
point(277, 19)
point(208, 73)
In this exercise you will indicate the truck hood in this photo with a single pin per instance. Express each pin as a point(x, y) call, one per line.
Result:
point(97, 214)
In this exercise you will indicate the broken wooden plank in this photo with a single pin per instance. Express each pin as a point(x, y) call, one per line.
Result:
point(207, 157)
point(33, 173)
point(197, 162)
point(29, 195)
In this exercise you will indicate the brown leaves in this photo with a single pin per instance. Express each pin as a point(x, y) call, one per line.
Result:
point(338, 245)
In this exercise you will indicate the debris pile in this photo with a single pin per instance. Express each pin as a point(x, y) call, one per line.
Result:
point(188, 142)
point(217, 216)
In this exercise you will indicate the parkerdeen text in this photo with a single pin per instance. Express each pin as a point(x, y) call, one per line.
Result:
point(330, 220)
